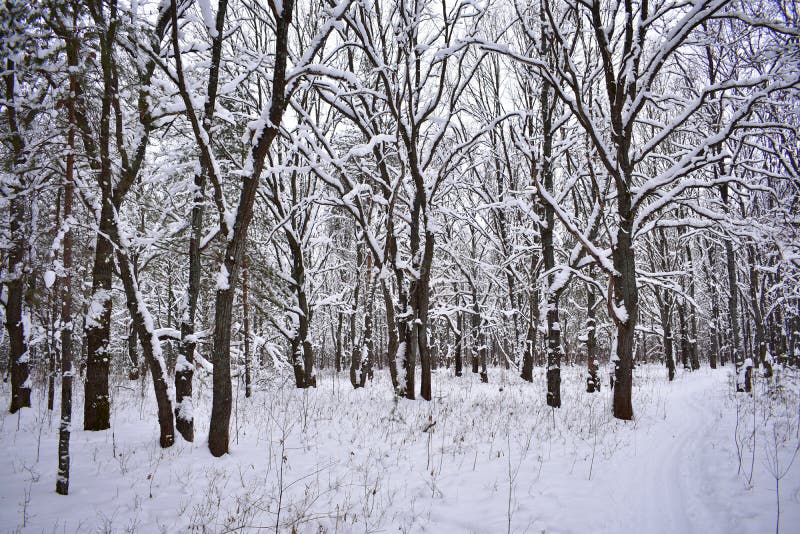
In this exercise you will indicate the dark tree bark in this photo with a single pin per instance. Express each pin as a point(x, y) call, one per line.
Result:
point(730, 259)
point(626, 293)
point(692, 311)
point(302, 352)
point(733, 299)
point(184, 370)
point(593, 381)
point(392, 341)
point(475, 322)
point(65, 324)
point(338, 341)
point(685, 346)
point(530, 337)
point(17, 346)
point(423, 302)
point(760, 341)
point(547, 231)
point(368, 344)
point(97, 322)
point(459, 344)
point(219, 428)
point(133, 354)
point(97, 410)
point(665, 302)
point(355, 353)
point(248, 386)
point(52, 346)
point(708, 268)
point(151, 346)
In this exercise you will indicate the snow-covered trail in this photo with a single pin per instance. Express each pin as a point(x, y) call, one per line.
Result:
point(664, 475)
point(498, 460)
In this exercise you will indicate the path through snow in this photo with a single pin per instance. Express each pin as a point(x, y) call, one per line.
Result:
point(663, 475)
point(344, 461)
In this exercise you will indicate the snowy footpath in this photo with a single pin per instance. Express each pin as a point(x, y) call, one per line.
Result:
point(478, 458)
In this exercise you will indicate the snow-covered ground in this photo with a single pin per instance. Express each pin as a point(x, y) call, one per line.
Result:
point(496, 460)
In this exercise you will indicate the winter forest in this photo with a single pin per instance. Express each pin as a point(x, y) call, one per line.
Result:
point(400, 265)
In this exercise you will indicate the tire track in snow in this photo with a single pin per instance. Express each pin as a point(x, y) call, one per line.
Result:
point(665, 469)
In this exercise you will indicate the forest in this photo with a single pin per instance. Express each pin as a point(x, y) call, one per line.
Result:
point(311, 256)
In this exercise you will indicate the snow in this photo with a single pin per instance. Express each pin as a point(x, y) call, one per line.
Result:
point(27, 327)
point(49, 278)
point(185, 410)
point(496, 460)
point(620, 312)
point(230, 222)
point(222, 278)
point(399, 361)
point(96, 308)
point(208, 17)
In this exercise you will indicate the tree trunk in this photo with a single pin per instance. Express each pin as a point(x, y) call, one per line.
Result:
point(423, 303)
point(62, 479)
point(338, 358)
point(715, 318)
point(151, 346)
point(692, 310)
point(133, 355)
point(685, 350)
point(302, 352)
point(547, 230)
point(392, 341)
point(15, 318)
point(592, 382)
point(355, 357)
point(530, 337)
point(459, 344)
point(625, 293)
point(184, 366)
point(96, 409)
point(475, 321)
point(733, 302)
point(367, 345)
point(666, 326)
point(219, 428)
point(553, 356)
point(760, 341)
point(248, 386)
point(52, 348)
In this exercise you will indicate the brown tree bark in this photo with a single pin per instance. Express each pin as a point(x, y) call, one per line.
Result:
point(708, 269)
point(338, 341)
point(593, 381)
point(184, 369)
point(626, 294)
point(530, 336)
point(151, 346)
point(52, 348)
point(248, 380)
point(219, 428)
point(694, 357)
point(65, 324)
point(17, 346)
point(302, 352)
point(685, 345)
point(733, 301)
point(459, 344)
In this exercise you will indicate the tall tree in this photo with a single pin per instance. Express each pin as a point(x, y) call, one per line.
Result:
point(283, 84)
point(65, 323)
point(15, 315)
point(633, 47)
